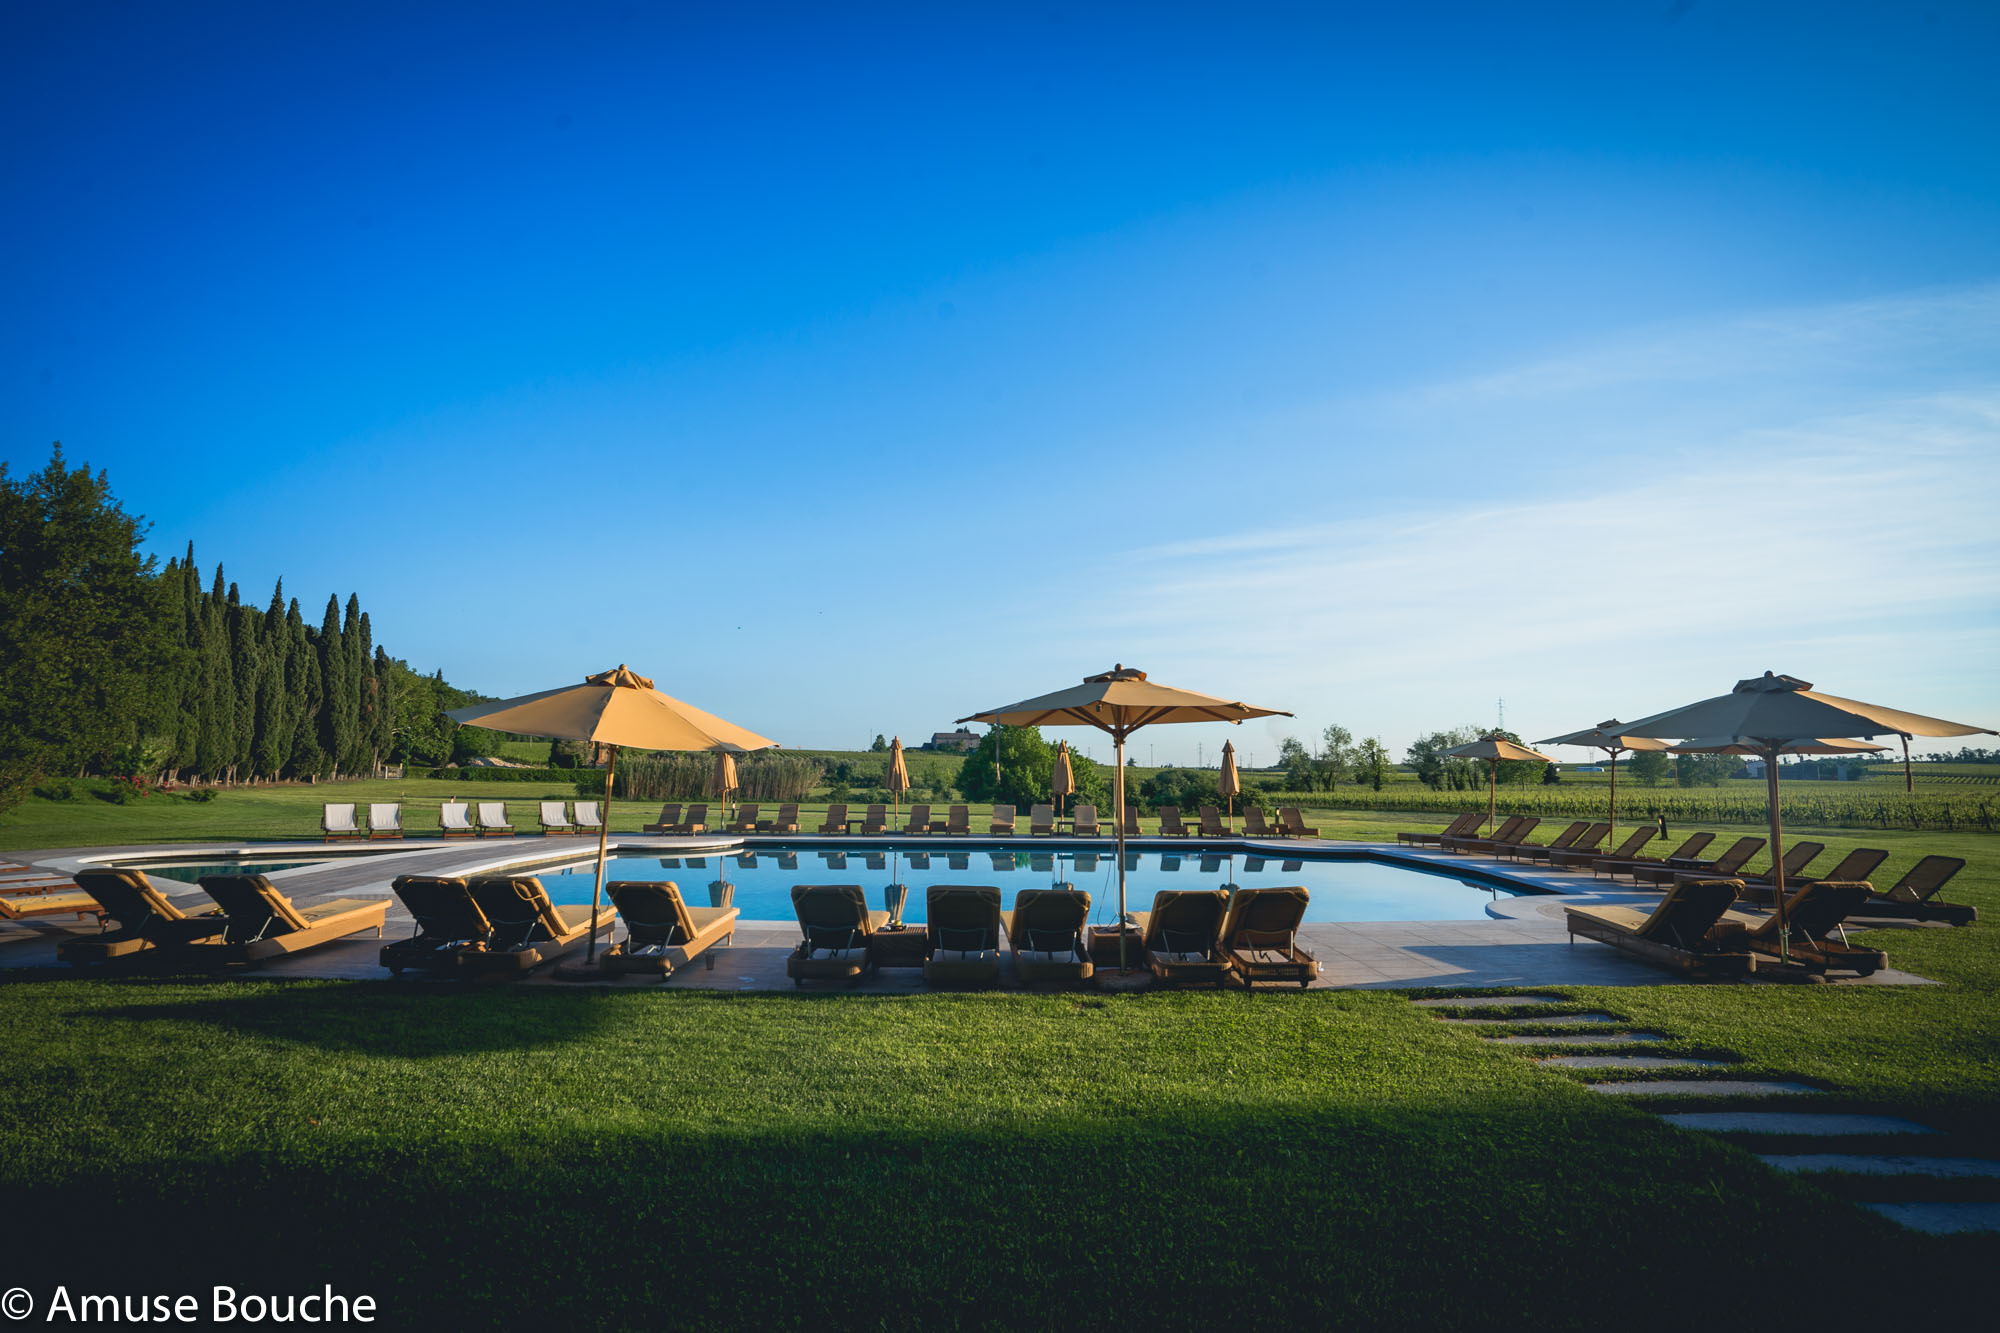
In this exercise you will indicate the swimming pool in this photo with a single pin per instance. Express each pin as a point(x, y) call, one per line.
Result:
point(190, 872)
point(1343, 889)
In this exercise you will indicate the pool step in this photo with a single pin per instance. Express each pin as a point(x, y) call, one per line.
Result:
point(1488, 1001)
point(1704, 1087)
point(1876, 1164)
point(1817, 1124)
point(1615, 1061)
point(1580, 1039)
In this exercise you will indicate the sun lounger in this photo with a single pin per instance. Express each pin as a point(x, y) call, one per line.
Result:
point(835, 925)
point(696, 821)
point(920, 820)
point(1499, 843)
point(958, 820)
point(1587, 841)
point(746, 819)
point(528, 929)
point(1002, 823)
point(1724, 866)
point(961, 935)
point(1857, 864)
point(146, 919)
point(259, 922)
point(661, 931)
point(1045, 934)
point(1132, 829)
point(1255, 825)
point(1686, 930)
point(1211, 823)
point(836, 818)
point(554, 818)
point(1817, 943)
point(1170, 822)
point(448, 921)
point(876, 822)
point(670, 815)
point(1694, 845)
point(1914, 896)
point(1260, 936)
point(1041, 819)
point(336, 820)
point(587, 820)
point(1182, 936)
point(455, 820)
point(1500, 835)
point(493, 820)
point(385, 820)
point(1626, 851)
point(1084, 823)
point(1797, 857)
point(70, 902)
point(786, 822)
point(1465, 826)
point(1562, 842)
point(1295, 822)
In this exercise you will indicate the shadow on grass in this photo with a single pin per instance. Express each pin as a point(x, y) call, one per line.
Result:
point(1187, 1220)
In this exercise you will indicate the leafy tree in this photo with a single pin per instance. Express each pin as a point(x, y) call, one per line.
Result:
point(1438, 772)
point(1648, 767)
point(1372, 763)
point(1336, 758)
point(1706, 770)
point(1012, 765)
point(880, 745)
point(1551, 774)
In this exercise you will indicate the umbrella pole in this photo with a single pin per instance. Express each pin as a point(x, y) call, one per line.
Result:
point(1777, 847)
point(1492, 781)
point(1909, 783)
point(1612, 838)
point(1118, 799)
point(603, 839)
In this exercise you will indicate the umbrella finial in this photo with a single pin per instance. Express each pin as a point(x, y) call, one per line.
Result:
point(1770, 683)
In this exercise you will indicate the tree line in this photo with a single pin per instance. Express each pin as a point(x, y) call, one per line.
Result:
point(118, 667)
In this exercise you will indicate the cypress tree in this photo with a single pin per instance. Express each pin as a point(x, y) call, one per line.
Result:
point(382, 735)
point(245, 667)
point(275, 723)
point(189, 692)
point(302, 686)
point(336, 707)
point(217, 746)
point(353, 646)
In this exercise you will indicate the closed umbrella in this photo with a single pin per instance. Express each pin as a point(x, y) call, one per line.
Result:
point(899, 775)
point(1231, 783)
point(1608, 737)
point(1765, 713)
point(1493, 749)
point(722, 780)
point(1062, 778)
point(615, 709)
point(1118, 703)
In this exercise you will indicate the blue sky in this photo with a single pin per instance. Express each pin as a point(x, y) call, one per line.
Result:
point(850, 370)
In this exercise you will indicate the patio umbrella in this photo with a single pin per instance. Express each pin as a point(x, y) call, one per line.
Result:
point(723, 780)
point(1726, 745)
point(899, 775)
point(1119, 702)
point(1768, 711)
point(614, 709)
point(1607, 737)
point(1493, 749)
point(1062, 778)
point(1231, 783)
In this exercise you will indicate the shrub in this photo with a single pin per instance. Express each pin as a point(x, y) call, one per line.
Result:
point(59, 790)
point(202, 795)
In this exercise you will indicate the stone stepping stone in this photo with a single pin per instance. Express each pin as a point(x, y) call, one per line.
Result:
point(1487, 1001)
point(1704, 1087)
point(1628, 1061)
point(1863, 1164)
point(1554, 1020)
point(1580, 1039)
point(1826, 1124)
point(1941, 1219)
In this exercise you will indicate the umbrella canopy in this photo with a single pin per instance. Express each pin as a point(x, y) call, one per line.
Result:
point(1766, 712)
point(1230, 784)
point(1062, 777)
point(1726, 745)
point(1608, 736)
point(723, 780)
point(1493, 749)
point(1119, 702)
point(615, 709)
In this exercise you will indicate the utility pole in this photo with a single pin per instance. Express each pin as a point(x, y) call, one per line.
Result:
point(1501, 706)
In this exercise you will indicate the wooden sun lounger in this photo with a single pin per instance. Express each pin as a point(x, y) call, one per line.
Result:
point(958, 820)
point(670, 815)
point(1002, 823)
point(1045, 933)
point(1255, 825)
point(961, 935)
point(385, 820)
point(1814, 916)
point(1463, 826)
point(528, 929)
point(1625, 851)
point(1857, 864)
point(1694, 845)
point(920, 820)
point(1797, 857)
point(836, 818)
point(1211, 823)
point(1182, 939)
point(662, 932)
point(1295, 822)
point(455, 820)
point(1260, 937)
point(1724, 866)
point(1561, 843)
point(336, 820)
point(835, 925)
point(493, 820)
point(259, 922)
point(1501, 834)
point(876, 822)
point(696, 821)
point(146, 918)
point(746, 818)
point(554, 818)
point(448, 921)
point(1914, 896)
point(1170, 822)
point(1084, 822)
point(1041, 819)
point(786, 822)
point(1132, 821)
point(1686, 930)
point(1587, 841)
point(72, 902)
point(1522, 826)
point(587, 820)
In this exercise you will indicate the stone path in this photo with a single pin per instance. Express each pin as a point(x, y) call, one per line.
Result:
point(1868, 1178)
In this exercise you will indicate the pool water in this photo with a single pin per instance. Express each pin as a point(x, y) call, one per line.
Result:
point(188, 872)
point(1344, 889)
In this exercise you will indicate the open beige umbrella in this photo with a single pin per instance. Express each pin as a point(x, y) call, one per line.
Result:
point(1231, 782)
point(616, 709)
point(1118, 703)
point(899, 775)
point(1608, 737)
point(1765, 713)
point(1062, 777)
point(1493, 749)
point(1725, 745)
point(722, 780)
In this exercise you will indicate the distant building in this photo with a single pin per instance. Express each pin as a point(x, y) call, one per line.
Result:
point(953, 740)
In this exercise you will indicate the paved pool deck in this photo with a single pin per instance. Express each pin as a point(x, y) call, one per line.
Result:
point(1522, 940)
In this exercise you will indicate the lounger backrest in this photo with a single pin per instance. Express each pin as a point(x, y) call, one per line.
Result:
point(385, 815)
point(337, 818)
point(1042, 816)
point(586, 813)
point(837, 813)
point(1858, 864)
point(518, 906)
point(1800, 855)
point(1253, 822)
point(1638, 838)
point(1528, 825)
point(1817, 908)
point(653, 910)
point(443, 907)
point(1921, 880)
point(553, 813)
point(878, 814)
point(1739, 852)
point(1003, 814)
point(831, 916)
point(962, 918)
point(254, 907)
point(1050, 920)
point(920, 814)
point(670, 815)
point(1689, 911)
point(697, 814)
point(747, 813)
point(1692, 848)
point(493, 814)
point(1465, 824)
point(1570, 834)
point(127, 896)
point(1086, 814)
point(1264, 918)
point(1295, 818)
point(1185, 920)
point(1592, 836)
point(453, 814)
point(788, 814)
